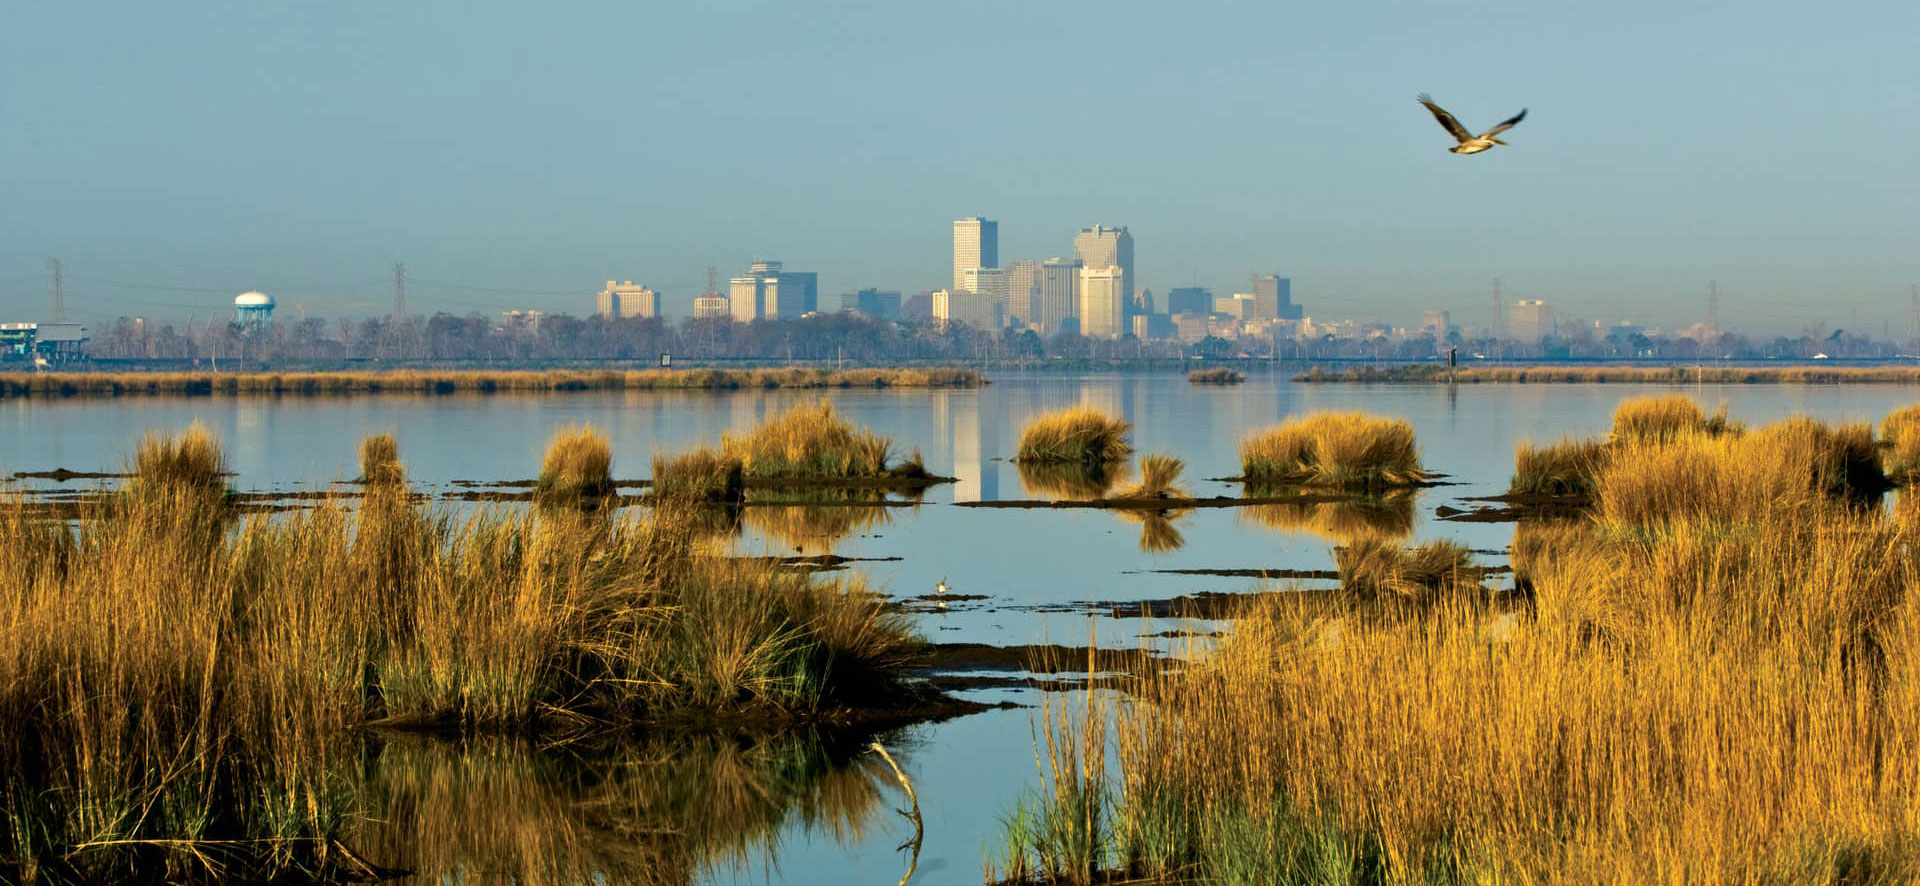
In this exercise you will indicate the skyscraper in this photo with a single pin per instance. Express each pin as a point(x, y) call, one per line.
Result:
point(1023, 289)
point(1059, 298)
point(627, 300)
point(1101, 246)
point(1103, 302)
point(768, 291)
point(1273, 298)
point(1529, 320)
point(1189, 300)
point(987, 282)
point(976, 244)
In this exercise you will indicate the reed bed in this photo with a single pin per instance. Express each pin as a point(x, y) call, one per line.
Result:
point(1081, 435)
point(174, 673)
point(1674, 375)
point(1348, 450)
point(803, 444)
point(1220, 376)
point(1568, 468)
point(420, 381)
point(1733, 698)
point(577, 469)
point(1900, 436)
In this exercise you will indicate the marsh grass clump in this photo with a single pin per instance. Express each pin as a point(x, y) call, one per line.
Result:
point(808, 442)
point(1374, 568)
point(380, 466)
point(1900, 441)
point(1218, 376)
point(1350, 450)
point(1569, 468)
point(577, 468)
point(1080, 435)
point(701, 473)
point(190, 462)
point(1665, 419)
point(1159, 478)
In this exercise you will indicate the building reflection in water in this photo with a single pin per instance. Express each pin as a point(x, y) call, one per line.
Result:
point(972, 429)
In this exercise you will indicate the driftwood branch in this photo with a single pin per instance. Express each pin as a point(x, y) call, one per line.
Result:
point(919, 829)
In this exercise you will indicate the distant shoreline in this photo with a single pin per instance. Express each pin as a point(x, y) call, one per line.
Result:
point(1800, 374)
point(71, 385)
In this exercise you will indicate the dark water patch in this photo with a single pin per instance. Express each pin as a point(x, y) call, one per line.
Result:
point(1037, 658)
point(1244, 573)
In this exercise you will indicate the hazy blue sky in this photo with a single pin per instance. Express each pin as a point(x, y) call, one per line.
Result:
point(201, 148)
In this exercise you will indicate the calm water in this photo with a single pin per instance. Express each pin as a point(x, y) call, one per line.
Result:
point(1033, 566)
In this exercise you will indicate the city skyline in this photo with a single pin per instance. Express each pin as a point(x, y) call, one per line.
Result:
point(359, 136)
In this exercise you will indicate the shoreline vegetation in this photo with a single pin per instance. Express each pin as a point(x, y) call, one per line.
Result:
point(179, 675)
point(1690, 374)
point(59, 385)
point(1710, 677)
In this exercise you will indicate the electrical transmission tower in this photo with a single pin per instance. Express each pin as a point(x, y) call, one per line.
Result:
point(399, 291)
point(1713, 309)
point(59, 296)
point(1499, 320)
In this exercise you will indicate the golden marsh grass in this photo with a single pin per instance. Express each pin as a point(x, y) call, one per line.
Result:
point(1715, 682)
point(1081, 435)
point(1349, 450)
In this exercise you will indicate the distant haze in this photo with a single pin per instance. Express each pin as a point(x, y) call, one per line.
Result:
point(519, 155)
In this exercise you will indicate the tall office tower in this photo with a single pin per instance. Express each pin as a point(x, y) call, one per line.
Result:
point(989, 282)
point(1529, 320)
point(1023, 289)
point(767, 291)
point(1273, 298)
point(976, 244)
point(627, 300)
point(1103, 302)
point(711, 306)
point(1101, 246)
point(1059, 299)
point(1189, 300)
point(1437, 324)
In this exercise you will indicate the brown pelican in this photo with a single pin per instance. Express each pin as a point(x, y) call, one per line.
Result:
point(1470, 143)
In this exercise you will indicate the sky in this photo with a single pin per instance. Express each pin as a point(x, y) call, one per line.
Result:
point(518, 155)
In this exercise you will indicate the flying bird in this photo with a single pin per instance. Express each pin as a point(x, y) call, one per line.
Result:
point(1470, 143)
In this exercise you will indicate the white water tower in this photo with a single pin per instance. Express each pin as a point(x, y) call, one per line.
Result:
point(253, 310)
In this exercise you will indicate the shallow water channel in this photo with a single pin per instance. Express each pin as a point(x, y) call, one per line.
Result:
point(805, 808)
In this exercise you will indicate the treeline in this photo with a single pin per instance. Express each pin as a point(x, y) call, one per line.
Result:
point(851, 337)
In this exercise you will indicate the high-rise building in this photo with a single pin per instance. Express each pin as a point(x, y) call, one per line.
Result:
point(974, 309)
point(1101, 246)
point(990, 282)
point(976, 244)
point(1436, 324)
point(1189, 300)
point(1023, 289)
point(767, 291)
point(627, 300)
point(1059, 298)
point(1273, 298)
point(1103, 302)
point(875, 303)
point(1239, 306)
point(1529, 320)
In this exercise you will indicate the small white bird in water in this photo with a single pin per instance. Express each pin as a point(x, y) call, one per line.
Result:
point(1470, 143)
point(941, 590)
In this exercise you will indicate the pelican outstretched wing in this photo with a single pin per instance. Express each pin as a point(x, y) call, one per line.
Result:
point(1506, 124)
point(1446, 119)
